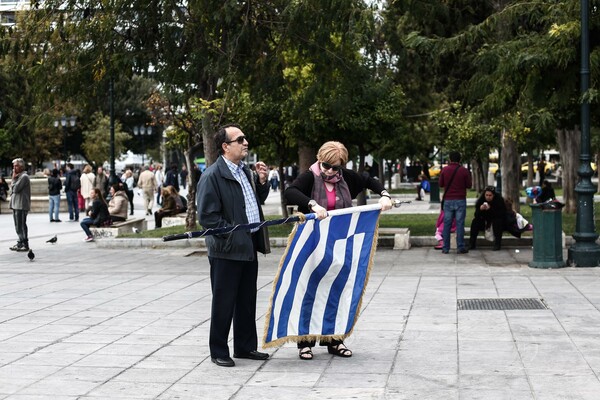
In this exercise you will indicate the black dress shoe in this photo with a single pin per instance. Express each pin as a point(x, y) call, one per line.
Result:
point(253, 355)
point(223, 362)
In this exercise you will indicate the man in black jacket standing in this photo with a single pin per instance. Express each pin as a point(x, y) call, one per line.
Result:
point(228, 195)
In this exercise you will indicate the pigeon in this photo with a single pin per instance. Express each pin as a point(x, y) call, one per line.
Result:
point(52, 240)
point(30, 255)
point(136, 230)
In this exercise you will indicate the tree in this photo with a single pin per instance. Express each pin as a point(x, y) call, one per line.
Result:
point(96, 142)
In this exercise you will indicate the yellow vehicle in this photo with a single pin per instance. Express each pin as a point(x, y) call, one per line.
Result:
point(525, 166)
point(434, 171)
point(493, 167)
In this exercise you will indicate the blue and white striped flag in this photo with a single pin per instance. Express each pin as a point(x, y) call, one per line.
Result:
point(322, 275)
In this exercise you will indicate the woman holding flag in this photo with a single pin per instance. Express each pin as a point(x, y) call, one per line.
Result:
point(328, 185)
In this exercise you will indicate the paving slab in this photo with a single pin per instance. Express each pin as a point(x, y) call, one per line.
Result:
point(85, 322)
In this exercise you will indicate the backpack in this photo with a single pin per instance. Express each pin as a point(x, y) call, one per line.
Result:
point(75, 183)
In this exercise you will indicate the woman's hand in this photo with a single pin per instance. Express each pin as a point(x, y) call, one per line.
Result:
point(319, 211)
point(386, 203)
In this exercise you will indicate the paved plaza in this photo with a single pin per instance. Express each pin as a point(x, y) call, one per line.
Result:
point(84, 322)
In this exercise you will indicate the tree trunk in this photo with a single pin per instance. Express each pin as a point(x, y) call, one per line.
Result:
point(208, 133)
point(511, 170)
point(569, 143)
point(306, 156)
point(479, 181)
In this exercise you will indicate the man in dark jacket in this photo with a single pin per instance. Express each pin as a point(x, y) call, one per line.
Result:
point(228, 195)
point(72, 185)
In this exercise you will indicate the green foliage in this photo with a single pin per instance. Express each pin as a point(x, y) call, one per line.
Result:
point(96, 143)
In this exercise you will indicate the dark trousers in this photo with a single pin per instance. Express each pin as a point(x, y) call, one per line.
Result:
point(479, 225)
point(159, 215)
point(72, 204)
point(20, 220)
point(234, 299)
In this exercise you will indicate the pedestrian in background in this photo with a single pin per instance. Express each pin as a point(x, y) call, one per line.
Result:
point(147, 184)
point(87, 184)
point(72, 186)
point(455, 179)
point(101, 182)
point(183, 175)
point(20, 203)
point(54, 188)
point(159, 176)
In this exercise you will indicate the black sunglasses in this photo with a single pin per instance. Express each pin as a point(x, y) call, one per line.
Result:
point(332, 167)
point(490, 189)
point(239, 139)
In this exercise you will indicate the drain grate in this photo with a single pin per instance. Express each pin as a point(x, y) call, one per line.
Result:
point(501, 304)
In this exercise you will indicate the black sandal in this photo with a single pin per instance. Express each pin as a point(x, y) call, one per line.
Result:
point(305, 353)
point(339, 351)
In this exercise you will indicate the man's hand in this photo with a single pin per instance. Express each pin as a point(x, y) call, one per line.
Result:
point(386, 203)
point(262, 171)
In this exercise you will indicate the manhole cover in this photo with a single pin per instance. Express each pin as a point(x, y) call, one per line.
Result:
point(501, 304)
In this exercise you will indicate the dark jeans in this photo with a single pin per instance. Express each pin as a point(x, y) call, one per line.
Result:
point(85, 225)
point(73, 205)
point(20, 219)
point(454, 209)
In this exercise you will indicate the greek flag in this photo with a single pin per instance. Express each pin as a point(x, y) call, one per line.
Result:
point(322, 275)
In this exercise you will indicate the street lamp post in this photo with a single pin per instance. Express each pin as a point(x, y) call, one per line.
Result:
point(142, 130)
point(64, 121)
point(585, 252)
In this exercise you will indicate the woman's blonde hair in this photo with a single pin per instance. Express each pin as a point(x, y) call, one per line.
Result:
point(333, 153)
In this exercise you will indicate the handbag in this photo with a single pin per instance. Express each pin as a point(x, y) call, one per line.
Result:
point(489, 234)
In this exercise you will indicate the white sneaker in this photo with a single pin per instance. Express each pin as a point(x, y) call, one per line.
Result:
point(89, 239)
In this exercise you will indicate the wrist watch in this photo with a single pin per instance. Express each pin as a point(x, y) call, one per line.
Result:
point(312, 203)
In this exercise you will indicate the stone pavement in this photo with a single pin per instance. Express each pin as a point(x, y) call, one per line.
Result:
point(83, 322)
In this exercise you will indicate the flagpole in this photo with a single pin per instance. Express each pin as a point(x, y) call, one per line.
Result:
point(257, 225)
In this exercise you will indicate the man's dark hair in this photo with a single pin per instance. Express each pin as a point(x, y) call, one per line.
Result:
point(70, 166)
point(454, 156)
point(54, 173)
point(221, 136)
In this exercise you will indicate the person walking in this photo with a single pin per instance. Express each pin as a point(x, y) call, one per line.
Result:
point(455, 179)
point(54, 187)
point(128, 182)
point(20, 203)
point(328, 185)
point(159, 176)
point(147, 184)
point(228, 195)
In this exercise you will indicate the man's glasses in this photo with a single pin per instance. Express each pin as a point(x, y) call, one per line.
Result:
point(239, 139)
point(331, 167)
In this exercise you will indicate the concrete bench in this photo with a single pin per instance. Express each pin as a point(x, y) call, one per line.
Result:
point(401, 237)
point(119, 228)
point(175, 220)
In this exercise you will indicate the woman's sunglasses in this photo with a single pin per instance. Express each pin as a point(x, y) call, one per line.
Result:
point(331, 167)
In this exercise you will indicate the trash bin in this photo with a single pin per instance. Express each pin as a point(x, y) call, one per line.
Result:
point(434, 191)
point(547, 235)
